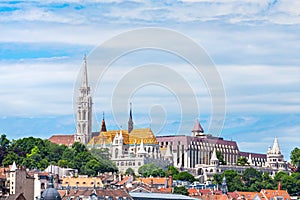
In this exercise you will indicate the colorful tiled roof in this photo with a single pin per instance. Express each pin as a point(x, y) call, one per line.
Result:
point(136, 136)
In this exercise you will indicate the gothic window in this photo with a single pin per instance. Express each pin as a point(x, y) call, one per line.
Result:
point(116, 153)
point(83, 115)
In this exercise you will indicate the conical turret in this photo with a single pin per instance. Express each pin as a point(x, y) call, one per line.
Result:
point(214, 159)
point(13, 167)
point(276, 149)
point(197, 130)
point(142, 150)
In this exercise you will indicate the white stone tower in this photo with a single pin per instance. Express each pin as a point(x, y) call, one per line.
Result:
point(275, 159)
point(84, 110)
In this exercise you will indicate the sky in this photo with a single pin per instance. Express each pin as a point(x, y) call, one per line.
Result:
point(253, 44)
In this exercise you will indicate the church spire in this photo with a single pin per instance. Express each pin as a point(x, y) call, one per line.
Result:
point(130, 122)
point(103, 125)
point(84, 109)
point(84, 83)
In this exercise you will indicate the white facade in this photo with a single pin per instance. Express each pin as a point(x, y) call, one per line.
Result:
point(274, 164)
point(134, 156)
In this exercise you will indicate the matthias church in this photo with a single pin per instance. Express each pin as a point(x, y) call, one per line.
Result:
point(195, 152)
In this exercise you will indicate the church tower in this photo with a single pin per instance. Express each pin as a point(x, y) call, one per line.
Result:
point(130, 122)
point(84, 110)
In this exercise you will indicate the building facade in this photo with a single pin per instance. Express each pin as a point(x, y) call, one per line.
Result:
point(197, 154)
point(130, 148)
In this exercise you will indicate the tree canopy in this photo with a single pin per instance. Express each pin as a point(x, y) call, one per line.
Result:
point(295, 157)
point(252, 180)
point(35, 153)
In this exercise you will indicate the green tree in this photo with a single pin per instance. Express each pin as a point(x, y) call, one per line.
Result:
point(180, 190)
point(267, 181)
point(221, 158)
point(43, 164)
point(4, 144)
point(148, 169)
point(78, 147)
point(158, 173)
point(185, 176)
point(250, 176)
point(103, 156)
point(68, 154)
point(129, 171)
point(295, 157)
point(172, 171)
point(233, 180)
point(65, 164)
point(92, 167)
point(81, 159)
point(242, 161)
point(55, 151)
point(10, 158)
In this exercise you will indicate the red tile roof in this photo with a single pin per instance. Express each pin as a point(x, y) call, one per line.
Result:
point(193, 192)
point(248, 195)
point(155, 180)
point(100, 192)
point(67, 140)
point(268, 194)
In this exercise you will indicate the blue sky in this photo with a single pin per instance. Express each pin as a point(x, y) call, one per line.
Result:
point(254, 44)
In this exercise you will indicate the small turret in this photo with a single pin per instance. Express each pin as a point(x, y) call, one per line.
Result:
point(214, 159)
point(13, 167)
point(103, 125)
point(142, 151)
point(224, 188)
point(197, 130)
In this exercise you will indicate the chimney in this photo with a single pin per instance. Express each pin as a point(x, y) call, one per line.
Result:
point(279, 186)
point(170, 182)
